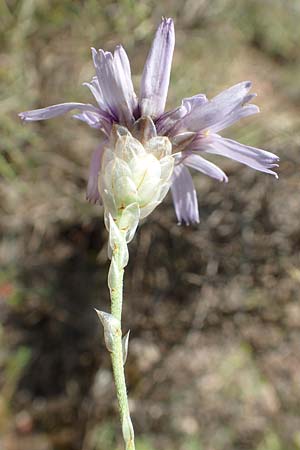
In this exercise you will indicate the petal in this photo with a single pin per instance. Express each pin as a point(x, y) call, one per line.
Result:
point(156, 74)
point(206, 115)
point(104, 71)
point(169, 120)
point(256, 158)
point(237, 114)
point(95, 120)
point(204, 166)
point(114, 78)
point(92, 192)
point(123, 72)
point(194, 102)
point(97, 93)
point(54, 111)
point(184, 196)
point(233, 96)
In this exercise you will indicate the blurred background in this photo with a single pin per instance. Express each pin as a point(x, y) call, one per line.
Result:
point(214, 309)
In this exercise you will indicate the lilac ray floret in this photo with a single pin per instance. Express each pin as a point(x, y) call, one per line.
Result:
point(156, 74)
point(55, 110)
point(96, 91)
point(255, 158)
point(169, 120)
point(205, 118)
point(95, 120)
point(114, 79)
point(202, 165)
point(240, 111)
point(92, 193)
point(123, 71)
point(211, 113)
point(92, 119)
point(184, 196)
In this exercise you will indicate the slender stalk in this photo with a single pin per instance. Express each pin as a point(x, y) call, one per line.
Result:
point(117, 352)
point(116, 296)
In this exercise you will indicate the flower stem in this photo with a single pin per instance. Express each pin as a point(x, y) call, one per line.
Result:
point(117, 356)
point(116, 296)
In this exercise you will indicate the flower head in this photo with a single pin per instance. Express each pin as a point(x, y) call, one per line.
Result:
point(146, 150)
point(135, 175)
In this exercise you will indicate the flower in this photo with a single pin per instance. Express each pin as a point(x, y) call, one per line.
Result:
point(191, 129)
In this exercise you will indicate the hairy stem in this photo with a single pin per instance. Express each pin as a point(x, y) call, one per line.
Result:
point(116, 296)
point(117, 357)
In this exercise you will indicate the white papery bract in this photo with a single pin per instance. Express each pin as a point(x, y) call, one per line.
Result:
point(111, 327)
point(134, 178)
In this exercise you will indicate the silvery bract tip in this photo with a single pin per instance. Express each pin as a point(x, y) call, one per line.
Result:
point(128, 432)
point(129, 221)
point(117, 243)
point(125, 341)
point(111, 327)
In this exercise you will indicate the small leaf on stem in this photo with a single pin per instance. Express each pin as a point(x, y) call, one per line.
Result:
point(111, 327)
point(125, 340)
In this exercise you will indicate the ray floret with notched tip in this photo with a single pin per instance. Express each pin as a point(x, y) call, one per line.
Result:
point(191, 129)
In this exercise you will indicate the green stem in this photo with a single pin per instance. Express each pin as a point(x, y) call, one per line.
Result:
point(116, 293)
point(116, 296)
